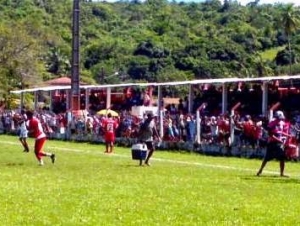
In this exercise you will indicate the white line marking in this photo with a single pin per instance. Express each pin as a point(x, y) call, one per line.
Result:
point(155, 159)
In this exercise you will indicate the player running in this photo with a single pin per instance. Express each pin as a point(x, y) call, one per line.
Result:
point(35, 130)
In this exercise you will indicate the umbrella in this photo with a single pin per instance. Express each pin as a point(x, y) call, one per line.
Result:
point(106, 111)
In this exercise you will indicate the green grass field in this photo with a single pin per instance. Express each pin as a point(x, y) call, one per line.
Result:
point(87, 187)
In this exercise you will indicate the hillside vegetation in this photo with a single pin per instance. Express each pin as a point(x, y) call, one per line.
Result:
point(154, 40)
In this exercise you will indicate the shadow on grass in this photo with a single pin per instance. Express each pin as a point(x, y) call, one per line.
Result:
point(133, 165)
point(136, 165)
point(14, 164)
point(272, 179)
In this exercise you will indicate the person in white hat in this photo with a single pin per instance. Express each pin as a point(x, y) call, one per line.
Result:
point(278, 133)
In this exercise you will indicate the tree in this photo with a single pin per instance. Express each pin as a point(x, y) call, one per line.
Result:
point(58, 63)
point(19, 58)
point(290, 24)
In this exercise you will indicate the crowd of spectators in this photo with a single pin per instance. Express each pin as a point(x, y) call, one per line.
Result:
point(179, 125)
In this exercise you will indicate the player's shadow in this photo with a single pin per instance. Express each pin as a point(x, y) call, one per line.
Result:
point(272, 179)
point(135, 165)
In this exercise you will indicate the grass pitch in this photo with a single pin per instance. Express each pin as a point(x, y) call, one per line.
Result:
point(87, 187)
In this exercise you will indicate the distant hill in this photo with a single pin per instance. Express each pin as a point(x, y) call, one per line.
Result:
point(155, 40)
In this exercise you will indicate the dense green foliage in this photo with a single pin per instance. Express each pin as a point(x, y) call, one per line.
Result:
point(87, 187)
point(155, 40)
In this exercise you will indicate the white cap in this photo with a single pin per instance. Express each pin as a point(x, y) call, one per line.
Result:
point(279, 115)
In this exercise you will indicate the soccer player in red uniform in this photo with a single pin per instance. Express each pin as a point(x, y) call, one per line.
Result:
point(278, 133)
point(35, 130)
point(109, 125)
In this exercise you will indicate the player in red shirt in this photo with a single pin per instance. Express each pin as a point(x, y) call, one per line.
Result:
point(278, 134)
point(35, 130)
point(109, 125)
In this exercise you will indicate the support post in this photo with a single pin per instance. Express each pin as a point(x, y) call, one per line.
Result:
point(191, 98)
point(198, 122)
point(265, 99)
point(68, 104)
point(160, 112)
point(224, 98)
point(75, 100)
point(50, 100)
point(161, 123)
point(35, 100)
point(87, 92)
point(108, 97)
point(22, 101)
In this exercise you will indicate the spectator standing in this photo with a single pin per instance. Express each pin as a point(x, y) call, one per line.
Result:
point(23, 132)
point(278, 133)
point(190, 128)
point(146, 99)
point(170, 130)
point(248, 128)
point(224, 132)
point(35, 129)
point(89, 125)
point(213, 124)
point(182, 129)
point(109, 125)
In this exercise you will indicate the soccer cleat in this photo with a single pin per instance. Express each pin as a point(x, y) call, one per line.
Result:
point(41, 163)
point(53, 158)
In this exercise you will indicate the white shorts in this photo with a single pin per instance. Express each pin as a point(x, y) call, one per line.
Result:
point(23, 134)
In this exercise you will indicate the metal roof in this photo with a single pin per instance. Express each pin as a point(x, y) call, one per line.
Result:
point(188, 82)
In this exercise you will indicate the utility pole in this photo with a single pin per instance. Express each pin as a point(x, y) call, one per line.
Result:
point(102, 76)
point(75, 89)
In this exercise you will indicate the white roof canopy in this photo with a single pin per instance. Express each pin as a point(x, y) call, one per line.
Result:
point(188, 82)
